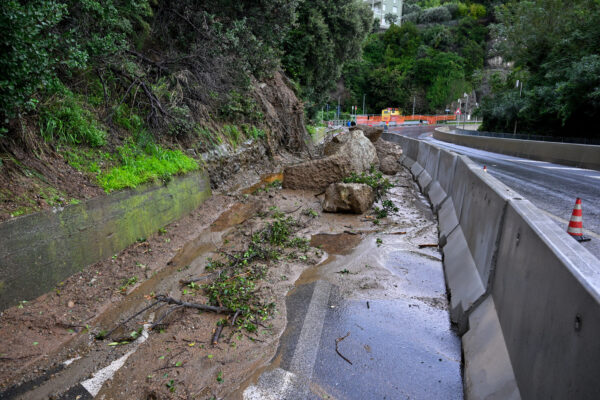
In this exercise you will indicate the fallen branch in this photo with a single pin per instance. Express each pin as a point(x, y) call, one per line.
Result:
point(215, 339)
point(338, 340)
point(132, 317)
point(398, 233)
point(154, 325)
point(428, 245)
point(202, 307)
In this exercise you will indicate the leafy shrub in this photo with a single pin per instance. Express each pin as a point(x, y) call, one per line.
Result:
point(374, 179)
point(63, 119)
point(412, 17)
point(453, 10)
point(253, 132)
point(436, 14)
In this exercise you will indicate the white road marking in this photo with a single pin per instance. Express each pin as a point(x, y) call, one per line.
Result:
point(278, 383)
point(95, 383)
point(565, 223)
point(564, 168)
point(71, 361)
point(305, 354)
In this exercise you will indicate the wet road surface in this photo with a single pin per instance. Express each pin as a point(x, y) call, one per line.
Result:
point(380, 304)
point(553, 188)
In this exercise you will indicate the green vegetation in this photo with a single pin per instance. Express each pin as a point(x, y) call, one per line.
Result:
point(138, 167)
point(373, 178)
point(428, 65)
point(327, 34)
point(557, 62)
point(381, 187)
point(240, 272)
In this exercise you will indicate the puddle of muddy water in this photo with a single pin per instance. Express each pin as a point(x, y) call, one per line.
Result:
point(341, 243)
point(237, 214)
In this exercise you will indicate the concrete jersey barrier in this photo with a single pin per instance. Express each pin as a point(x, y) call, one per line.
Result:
point(524, 294)
point(577, 155)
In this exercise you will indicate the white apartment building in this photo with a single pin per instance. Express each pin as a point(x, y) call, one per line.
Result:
point(382, 7)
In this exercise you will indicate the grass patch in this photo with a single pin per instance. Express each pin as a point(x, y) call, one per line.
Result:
point(233, 133)
point(138, 167)
point(63, 119)
point(253, 132)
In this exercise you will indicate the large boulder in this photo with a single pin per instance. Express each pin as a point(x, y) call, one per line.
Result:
point(389, 156)
point(355, 154)
point(371, 132)
point(348, 197)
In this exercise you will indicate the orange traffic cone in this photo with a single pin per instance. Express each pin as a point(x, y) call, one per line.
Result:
point(575, 228)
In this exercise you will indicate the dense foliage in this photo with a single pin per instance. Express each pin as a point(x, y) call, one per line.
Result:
point(328, 33)
point(428, 65)
point(558, 64)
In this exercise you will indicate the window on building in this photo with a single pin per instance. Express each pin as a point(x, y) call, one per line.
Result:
point(395, 10)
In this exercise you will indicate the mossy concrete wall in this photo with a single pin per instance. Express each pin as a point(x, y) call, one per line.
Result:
point(38, 251)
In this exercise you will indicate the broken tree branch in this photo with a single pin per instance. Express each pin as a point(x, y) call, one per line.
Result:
point(337, 341)
point(202, 307)
point(132, 317)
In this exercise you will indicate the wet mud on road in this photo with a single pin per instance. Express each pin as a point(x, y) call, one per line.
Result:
point(371, 280)
point(370, 321)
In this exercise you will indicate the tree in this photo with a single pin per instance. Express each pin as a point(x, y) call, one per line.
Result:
point(327, 34)
point(390, 18)
point(562, 92)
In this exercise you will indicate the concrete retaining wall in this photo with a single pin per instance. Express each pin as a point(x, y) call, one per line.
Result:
point(578, 155)
point(38, 251)
point(525, 295)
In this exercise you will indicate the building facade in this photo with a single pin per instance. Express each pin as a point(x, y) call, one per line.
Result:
point(382, 7)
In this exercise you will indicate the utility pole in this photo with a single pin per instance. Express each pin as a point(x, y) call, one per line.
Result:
point(338, 109)
point(414, 101)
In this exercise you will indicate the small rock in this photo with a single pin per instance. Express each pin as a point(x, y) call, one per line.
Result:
point(71, 304)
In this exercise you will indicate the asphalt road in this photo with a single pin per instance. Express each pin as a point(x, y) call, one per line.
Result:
point(553, 188)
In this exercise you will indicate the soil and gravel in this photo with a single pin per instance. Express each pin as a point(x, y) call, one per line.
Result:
point(51, 338)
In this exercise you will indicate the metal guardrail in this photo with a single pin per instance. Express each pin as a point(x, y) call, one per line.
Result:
point(522, 136)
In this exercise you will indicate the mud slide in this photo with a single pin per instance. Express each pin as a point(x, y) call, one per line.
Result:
point(80, 340)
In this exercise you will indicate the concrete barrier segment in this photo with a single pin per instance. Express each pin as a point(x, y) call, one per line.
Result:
point(412, 148)
point(432, 162)
point(447, 218)
point(408, 162)
point(436, 195)
point(488, 372)
point(546, 289)
point(424, 180)
point(480, 217)
point(423, 153)
point(462, 278)
point(416, 169)
point(578, 155)
point(446, 167)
